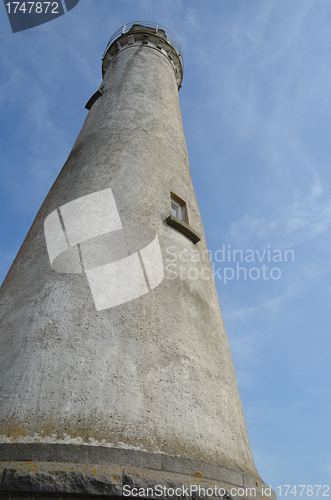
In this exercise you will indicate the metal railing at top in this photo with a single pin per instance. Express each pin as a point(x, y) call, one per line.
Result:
point(157, 27)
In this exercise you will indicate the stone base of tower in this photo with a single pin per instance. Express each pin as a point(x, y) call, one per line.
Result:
point(59, 471)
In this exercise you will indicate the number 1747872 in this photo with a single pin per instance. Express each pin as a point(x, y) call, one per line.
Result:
point(33, 7)
point(304, 489)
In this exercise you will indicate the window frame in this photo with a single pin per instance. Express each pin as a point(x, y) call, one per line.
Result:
point(180, 207)
point(176, 209)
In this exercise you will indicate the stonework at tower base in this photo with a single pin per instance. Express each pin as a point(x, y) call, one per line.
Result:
point(106, 472)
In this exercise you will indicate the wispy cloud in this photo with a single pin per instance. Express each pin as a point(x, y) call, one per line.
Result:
point(302, 219)
point(268, 308)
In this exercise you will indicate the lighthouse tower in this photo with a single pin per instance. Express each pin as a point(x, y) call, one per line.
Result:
point(115, 369)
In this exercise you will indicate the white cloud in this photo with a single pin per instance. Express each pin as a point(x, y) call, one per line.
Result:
point(297, 221)
point(267, 308)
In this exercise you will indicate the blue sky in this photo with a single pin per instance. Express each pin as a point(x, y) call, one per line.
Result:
point(257, 116)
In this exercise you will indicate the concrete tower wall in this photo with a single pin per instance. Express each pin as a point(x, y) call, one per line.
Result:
point(153, 374)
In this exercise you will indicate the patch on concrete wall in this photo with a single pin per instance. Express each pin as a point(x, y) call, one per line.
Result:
point(86, 235)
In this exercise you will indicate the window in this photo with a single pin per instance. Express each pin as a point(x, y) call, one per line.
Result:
point(179, 219)
point(178, 208)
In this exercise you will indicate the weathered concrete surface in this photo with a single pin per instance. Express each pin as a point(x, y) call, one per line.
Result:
point(154, 374)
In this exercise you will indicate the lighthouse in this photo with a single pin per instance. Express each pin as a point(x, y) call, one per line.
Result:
point(116, 375)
